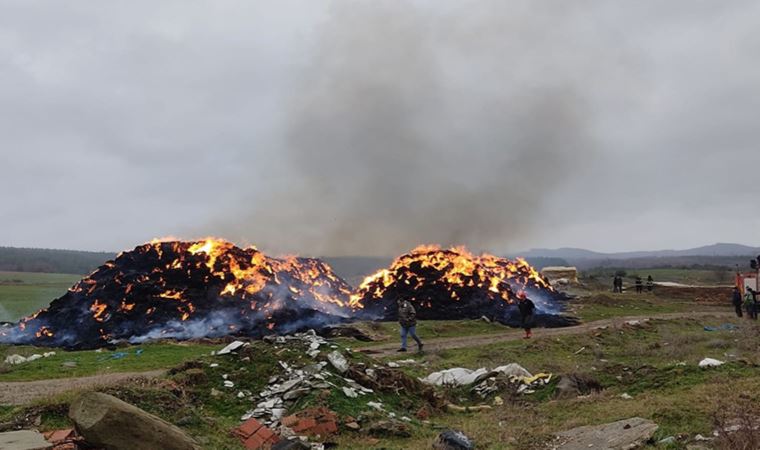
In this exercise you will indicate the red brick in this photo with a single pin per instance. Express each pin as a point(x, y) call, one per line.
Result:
point(56, 436)
point(265, 433)
point(323, 429)
point(66, 446)
point(290, 421)
point(248, 428)
point(254, 442)
point(331, 427)
point(304, 424)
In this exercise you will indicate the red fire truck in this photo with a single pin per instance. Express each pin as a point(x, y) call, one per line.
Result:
point(751, 278)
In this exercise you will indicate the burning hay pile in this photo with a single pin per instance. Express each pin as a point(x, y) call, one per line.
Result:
point(211, 288)
point(455, 284)
point(185, 290)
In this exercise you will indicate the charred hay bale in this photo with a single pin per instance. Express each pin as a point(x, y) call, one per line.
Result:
point(188, 290)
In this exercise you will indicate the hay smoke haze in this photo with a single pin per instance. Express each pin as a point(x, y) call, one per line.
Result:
point(405, 129)
point(369, 127)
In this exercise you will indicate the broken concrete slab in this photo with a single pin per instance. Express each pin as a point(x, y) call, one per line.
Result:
point(105, 421)
point(338, 361)
point(24, 440)
point(625, 434)
point(231, 348)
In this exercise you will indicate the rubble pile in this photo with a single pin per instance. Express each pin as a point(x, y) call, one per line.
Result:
point(284, 389)
point(327, 369)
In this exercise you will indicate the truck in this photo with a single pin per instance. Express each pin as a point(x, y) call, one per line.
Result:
point(751, 278)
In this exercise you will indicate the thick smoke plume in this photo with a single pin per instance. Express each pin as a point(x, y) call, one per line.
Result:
point(408, 126)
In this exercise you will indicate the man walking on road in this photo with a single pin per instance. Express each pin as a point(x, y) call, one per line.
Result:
point(526, 307)
point(407, 318)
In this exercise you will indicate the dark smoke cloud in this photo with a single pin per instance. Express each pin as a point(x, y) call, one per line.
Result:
point(409, 128)
point(354, 126)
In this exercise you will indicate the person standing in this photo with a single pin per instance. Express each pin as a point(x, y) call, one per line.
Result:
point(639, 285)
point(526, 307)
point(736, 299)
point(753, 304)
point(650, 283)
point(749, 303)
point(407, 318)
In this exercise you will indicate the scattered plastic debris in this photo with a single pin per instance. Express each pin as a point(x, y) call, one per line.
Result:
point(457, 376)
point(710, 362)
point(724, 327)
point(18, 359)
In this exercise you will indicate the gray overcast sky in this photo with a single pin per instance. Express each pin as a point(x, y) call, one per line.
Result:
point(366, 127)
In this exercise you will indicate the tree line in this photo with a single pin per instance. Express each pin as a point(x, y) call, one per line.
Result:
point(51, 261)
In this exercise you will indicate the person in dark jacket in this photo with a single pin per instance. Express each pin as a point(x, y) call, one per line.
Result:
point(639, 285)
point(749, 304)
point(526, 307)
point(650, 283)
point(407, 318)
point(736, 299)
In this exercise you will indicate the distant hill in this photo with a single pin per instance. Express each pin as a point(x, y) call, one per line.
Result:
point(355, 268)
point(14, 259)
point(51, 261)
point(716, 255)
point(720, 249)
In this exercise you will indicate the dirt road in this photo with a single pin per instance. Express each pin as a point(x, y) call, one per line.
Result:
point(23, 392)
point(472, 341)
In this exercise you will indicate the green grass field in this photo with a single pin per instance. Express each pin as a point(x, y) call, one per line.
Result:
point(92, 362)
point(24, 293)
point(655, 362)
